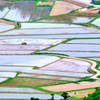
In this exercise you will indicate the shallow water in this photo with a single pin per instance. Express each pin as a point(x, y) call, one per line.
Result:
point(96, 22)
point(76, 47)
point(97, 58)
point(27, 60)
point(53, 31)
point(40, 12)
point(26, 96)
point(21, 11)
point(47, 25)
point(5, 27)
point(16, 89)
point(89, 41)
point(65, 18)
point(76, 54)
point(4, 7)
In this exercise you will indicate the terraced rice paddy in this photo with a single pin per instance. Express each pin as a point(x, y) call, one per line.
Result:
point(26, 96)
point(40, 12)
point(5, 27)
point(85, 41)
point(27, 60)
point(16, 52)
point(21, 11)
point(22, 67)
point(75, 54)
point(65, 18)
point(70, 65)
point(56, 36)
point(3, 79)
point(35, 41)
point(49, 77)
point(76, 47)
point(45, 72)
point(73, 86)
point(14, 46)
point(95, 58)
point(96, 22)
point(4, 8)
point(7, 74)
point(52, 31)
point(47, 25)
point(17, 89)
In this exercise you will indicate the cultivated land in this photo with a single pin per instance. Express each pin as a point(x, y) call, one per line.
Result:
point(48, 47)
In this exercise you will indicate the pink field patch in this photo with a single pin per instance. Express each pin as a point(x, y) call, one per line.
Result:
point(62, 7)
point(73, 86)
point(66, 64)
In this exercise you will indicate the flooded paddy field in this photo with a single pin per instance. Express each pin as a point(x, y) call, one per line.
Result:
point(40, 12)
point(95, 58)
point(96, 22)
point(3, 79)
point(43, 72)
point(14, 46)
point(5, 7)
point(16, 52)
point(27, 96)
point(85, 41)
point(71, 65)
point(17, 89)
point(76, 47)
point(53, 31)
point(66, 18)
point(5, 27)
point(22, 47)
point(75, 54)
point(27, 60)
point(53, 36)
point(7, 74)
point(49, 77)
point(31, 41)
point(47, 25)
point(21, 11)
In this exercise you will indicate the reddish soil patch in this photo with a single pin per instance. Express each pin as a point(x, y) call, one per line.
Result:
point(49, 77)
point(73, 86)
point(62, 7)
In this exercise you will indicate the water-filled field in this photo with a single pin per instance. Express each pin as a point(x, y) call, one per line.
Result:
point(96, 22)
point(49, 77)
point(4, 8)
point(17, 89)
point(76, 47)
point(65, 18)
point(27, 60)
point(5, 27)
point(85, 41)
point(21, 11)
point(53, 31)
point(47, 25)
point(66, 64)
point(75, 54)
point(40, 12)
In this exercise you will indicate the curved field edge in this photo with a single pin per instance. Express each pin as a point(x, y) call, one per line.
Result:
point(92, 69)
